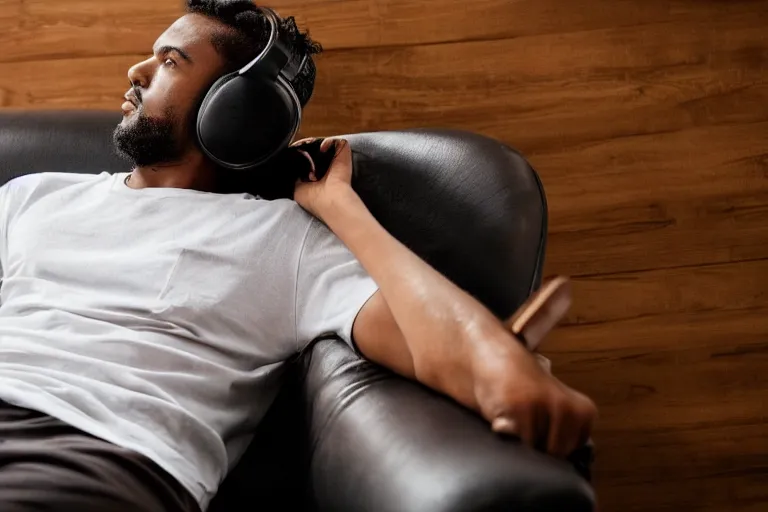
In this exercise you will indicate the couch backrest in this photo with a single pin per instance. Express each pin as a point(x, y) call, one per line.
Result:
point(469, 205)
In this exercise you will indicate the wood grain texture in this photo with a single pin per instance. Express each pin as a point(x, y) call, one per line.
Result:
point(651, 293)
point(648, 123)
point(677, 360)
point(45, 29)
point(682, 406)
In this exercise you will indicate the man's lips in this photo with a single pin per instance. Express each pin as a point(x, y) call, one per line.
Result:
point(131, 103)
point(130, 96)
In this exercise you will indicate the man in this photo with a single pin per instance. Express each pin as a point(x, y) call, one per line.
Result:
point(146, 316)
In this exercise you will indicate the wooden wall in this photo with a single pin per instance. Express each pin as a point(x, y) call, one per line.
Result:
point(648, 122)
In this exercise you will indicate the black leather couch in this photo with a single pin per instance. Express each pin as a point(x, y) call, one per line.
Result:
point(345, 435)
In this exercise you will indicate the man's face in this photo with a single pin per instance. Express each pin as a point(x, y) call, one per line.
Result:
point(157, 117)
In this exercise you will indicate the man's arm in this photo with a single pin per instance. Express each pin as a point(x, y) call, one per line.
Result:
point(423, 326)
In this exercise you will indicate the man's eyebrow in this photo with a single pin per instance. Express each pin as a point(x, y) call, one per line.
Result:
point(166, 49)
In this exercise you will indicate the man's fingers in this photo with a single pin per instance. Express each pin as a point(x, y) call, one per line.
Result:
point(545, 363)
point(557, 428)
point(573, 424)
point(338, 144)
point(305, 141)
point(528, 420)
point(588, 425)
point(562, 439)
point(527, 429)
point(311, 163)
point(328, 143)
point(341, 164)
point(505, 425)
point(515, 427)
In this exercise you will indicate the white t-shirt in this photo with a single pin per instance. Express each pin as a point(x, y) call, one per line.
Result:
point(160, 319)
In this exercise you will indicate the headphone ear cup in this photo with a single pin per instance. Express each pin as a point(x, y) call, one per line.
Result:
point(245, 120)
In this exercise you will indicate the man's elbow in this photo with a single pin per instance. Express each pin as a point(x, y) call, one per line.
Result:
point(380, 340)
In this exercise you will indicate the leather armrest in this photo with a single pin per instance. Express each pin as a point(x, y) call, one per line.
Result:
point(380, 443)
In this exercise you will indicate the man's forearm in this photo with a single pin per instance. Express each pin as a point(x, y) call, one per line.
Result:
point(445, 327)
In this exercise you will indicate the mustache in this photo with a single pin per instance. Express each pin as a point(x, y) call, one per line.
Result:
point(137, 93)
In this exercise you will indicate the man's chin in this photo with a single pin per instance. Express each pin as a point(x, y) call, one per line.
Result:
point(144, 141)
point(128, 117)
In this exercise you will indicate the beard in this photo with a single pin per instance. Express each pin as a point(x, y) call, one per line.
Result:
point(146, 141)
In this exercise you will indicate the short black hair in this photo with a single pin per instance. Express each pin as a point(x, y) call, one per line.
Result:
point(250, 35)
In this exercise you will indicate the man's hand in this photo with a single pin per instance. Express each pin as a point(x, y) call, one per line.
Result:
point(318, 196)
point(518, 397)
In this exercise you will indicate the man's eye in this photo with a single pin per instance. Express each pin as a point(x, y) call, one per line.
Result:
point(169, 62)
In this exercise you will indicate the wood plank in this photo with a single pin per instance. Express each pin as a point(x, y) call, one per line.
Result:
point(648, 294)
point(711, 469)
point(672, 388)
point(67, 84)
point(661, 234)
point(727, 443)
point(676, 361)
point(51, 29)
point(726, 332)
point(658, 201)
point(555, 91)
point(618, 117)
point(682, 400)
point(731, 154)
point(739, 493)
point(81, 28)
point(641, 354)
point(10, 13)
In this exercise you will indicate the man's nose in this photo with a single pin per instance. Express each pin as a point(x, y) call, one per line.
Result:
point(141, 74)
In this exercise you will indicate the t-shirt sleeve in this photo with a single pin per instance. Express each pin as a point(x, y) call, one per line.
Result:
point(331, 287)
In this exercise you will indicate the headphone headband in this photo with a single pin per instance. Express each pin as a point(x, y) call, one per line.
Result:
point(270, 62)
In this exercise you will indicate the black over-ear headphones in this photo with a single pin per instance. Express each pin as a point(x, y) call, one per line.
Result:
point(249, 116)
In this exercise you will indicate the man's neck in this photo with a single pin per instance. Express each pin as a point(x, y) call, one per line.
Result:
point(191, 173)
